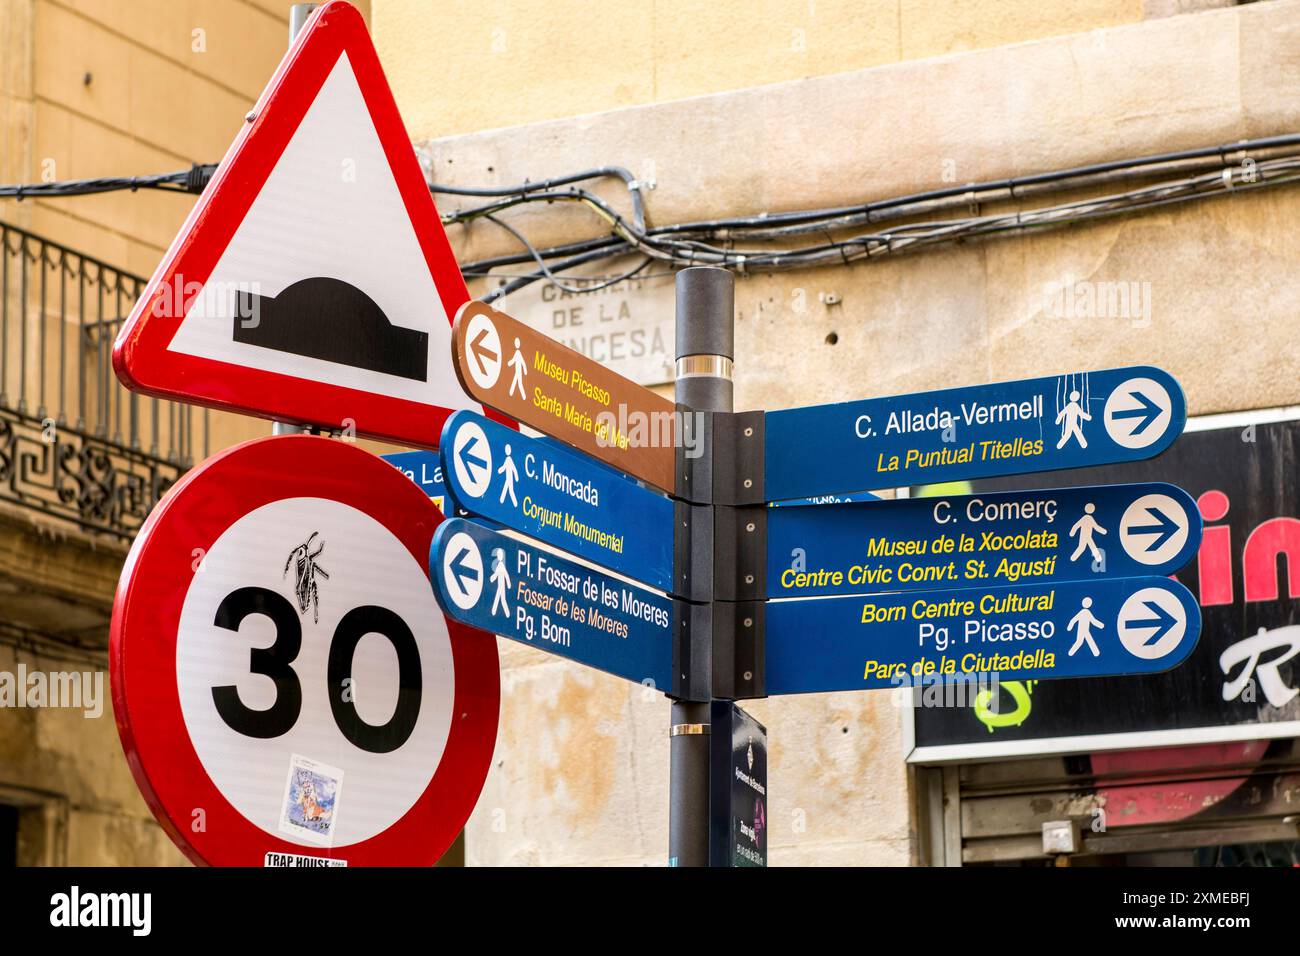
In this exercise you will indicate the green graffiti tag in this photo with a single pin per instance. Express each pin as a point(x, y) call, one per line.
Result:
point(992, 718)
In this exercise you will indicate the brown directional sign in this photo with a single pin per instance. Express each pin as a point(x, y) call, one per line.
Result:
point(534, 379)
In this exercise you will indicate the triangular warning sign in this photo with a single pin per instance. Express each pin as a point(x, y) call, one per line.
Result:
point(313, 282)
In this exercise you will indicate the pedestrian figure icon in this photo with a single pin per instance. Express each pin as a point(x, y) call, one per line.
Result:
point(1085, 528)
point(520, 370)
point(501, 578)
point(511, 474)
point(1071, 419)
point(1083, 623)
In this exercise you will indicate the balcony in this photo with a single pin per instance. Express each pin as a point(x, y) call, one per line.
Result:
point(74, 444)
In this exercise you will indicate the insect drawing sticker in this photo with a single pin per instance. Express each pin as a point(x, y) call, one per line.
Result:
point(311, 800)
point(303, 560)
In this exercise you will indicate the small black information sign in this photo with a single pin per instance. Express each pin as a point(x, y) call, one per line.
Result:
point(738, 790)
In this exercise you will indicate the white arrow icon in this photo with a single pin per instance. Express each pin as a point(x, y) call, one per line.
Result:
point(1151, 623)
point(1153, 529)
point(1137, 413)
point(483, 351)
point(472, 459)
point(462, 570)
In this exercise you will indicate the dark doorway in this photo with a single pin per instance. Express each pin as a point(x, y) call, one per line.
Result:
point(8, 836)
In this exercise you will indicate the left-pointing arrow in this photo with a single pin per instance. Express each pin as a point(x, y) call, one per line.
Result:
point(461, 570)
point(471, 460)
point(481, 351)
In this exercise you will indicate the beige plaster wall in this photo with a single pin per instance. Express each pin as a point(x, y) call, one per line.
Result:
point(478, 64)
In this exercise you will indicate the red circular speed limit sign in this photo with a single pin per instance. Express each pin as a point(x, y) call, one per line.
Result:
point(286, 688)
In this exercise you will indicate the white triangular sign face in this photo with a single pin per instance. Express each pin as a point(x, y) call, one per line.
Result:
point(313, 282)
point(330, 208)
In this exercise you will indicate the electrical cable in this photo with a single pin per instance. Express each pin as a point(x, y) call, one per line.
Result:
point(1248, 175)
point(1183, 176)
point(552, 278)
point(634, 187)
point(192, 180)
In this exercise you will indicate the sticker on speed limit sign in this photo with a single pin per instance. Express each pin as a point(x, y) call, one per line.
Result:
point(286, 687)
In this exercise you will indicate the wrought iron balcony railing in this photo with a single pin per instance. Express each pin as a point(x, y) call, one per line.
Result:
point(74, 443)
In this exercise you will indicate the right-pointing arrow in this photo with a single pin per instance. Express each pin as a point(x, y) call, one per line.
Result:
point(1148, 411)
point(461, 570)
point(1164, 528)
point(1160, 623)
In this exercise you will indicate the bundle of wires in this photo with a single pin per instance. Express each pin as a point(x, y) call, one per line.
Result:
point(845, 234)
point(803, 239)
point(192, 180)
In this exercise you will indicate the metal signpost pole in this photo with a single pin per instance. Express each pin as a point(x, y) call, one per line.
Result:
point(298, 14)
point(705, 350)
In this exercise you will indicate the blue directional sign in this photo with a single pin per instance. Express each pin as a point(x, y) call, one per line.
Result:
point(826, 500)
point(558, 497)
point(424, 468)
point(1032, 632)
point(997, 538)
point(499, 584)
point(1042, 424)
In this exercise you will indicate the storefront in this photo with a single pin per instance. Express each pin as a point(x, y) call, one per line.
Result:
point(1199, 766)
